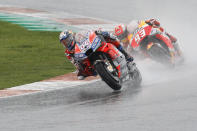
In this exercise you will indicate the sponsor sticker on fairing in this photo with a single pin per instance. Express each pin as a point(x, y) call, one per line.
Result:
point(80, 55)
point(96, 43)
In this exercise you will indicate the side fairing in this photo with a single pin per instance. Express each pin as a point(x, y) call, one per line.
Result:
point(117, 58)
point(139, 35)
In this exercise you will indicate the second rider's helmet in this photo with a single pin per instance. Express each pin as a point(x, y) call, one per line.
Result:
point(121, 32)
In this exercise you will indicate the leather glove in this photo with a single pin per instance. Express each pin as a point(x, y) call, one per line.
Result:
point(153, 22)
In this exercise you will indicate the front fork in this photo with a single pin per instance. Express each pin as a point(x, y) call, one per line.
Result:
point(117, 58)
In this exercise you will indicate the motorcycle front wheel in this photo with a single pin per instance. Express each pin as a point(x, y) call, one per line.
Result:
point(107, 76)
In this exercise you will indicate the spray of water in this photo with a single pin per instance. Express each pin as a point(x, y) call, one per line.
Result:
point(179, 19)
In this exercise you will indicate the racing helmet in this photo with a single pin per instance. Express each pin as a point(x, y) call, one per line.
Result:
point(66, 38)
point(121, 32)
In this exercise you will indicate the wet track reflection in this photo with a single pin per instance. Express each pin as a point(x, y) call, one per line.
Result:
point(96, 107)
point(97, 92)
point(71, 106)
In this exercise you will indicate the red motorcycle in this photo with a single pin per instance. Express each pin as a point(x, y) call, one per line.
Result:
point(95, 56)
point(155, 44)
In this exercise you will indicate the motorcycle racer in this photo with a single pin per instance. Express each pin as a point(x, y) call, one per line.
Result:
point(125, 32)
point(68, 40)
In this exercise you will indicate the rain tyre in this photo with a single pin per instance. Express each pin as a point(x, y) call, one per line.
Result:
point(107, 76)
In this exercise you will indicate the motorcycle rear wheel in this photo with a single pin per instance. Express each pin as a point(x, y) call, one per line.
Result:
point(137, 77)
point(135, 74)
point(158, 53)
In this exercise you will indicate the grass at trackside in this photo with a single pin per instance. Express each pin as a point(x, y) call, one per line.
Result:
point(29, 56)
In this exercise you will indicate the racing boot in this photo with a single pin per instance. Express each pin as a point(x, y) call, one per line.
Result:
point(80, 75)
point(127, 56)
point(174, 43)
point(177, 48)
point(172, 38)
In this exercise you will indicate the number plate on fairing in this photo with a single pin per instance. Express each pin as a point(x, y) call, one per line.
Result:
point(139, 35)
point(84, 46)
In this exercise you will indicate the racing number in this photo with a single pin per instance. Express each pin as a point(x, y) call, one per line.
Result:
point(140, 35)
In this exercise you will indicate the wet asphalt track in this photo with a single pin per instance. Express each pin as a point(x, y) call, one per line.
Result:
point(167, 100)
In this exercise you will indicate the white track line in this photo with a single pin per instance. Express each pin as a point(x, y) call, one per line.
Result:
point(51, 85)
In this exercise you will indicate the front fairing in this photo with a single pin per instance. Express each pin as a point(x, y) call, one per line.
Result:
point(145, 31)
point(86, 42)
